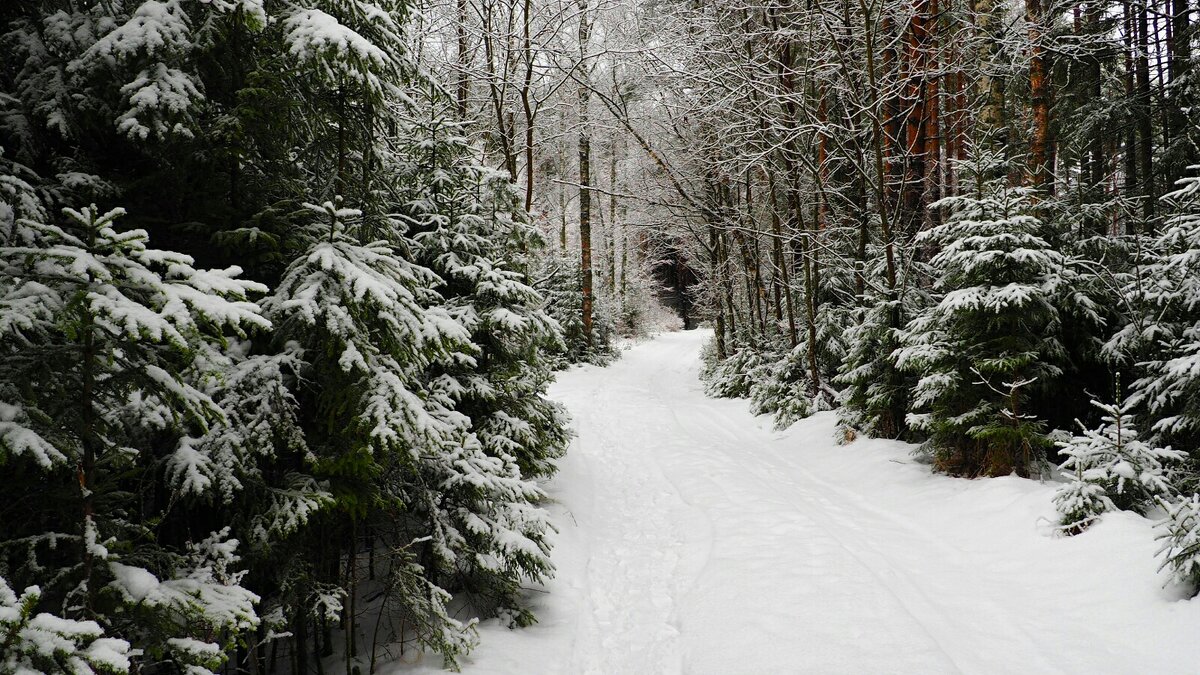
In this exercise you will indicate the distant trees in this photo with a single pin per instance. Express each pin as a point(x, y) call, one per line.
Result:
point(824, 145)
point(956, 222)
point(543, 83)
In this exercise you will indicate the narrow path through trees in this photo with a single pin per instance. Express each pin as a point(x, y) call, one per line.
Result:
point(695, 540)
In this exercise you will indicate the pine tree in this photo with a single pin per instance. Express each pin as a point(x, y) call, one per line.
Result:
point(468, 227)
point(45, 643)
point(100, 332)
point(1166, 333)
point(1180, 538)
point(1110, 468)
point(990, 336)
point(875, 393)
point(361, 319)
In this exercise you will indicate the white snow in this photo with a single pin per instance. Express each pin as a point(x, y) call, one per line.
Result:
point(695, 540)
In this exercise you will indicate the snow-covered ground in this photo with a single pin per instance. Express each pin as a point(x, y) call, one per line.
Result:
point(696, 540)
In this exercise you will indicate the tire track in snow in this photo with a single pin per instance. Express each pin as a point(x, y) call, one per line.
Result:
point(797, 586)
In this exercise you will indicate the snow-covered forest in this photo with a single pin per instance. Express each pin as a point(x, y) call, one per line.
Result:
point(285, 284)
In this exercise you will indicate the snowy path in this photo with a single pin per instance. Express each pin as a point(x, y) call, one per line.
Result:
point(696, 540)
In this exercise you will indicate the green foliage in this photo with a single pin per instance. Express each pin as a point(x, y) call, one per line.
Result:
point(1111, 468)
point(44, 643)
point(731, 377)
point(396, 394)
point(1180, 536)
point(109, 328)
point(991, 335)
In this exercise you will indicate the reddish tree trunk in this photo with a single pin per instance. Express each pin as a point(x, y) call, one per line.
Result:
point(1041, 168)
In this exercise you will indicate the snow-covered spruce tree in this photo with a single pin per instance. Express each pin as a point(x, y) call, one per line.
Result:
point(1180, 536)
point(1165, 333)
point(471, 232)
point(989, 337)
point(1166, 328)
point(875, 392)
point(99, 332)
point(361, 317)
point(1086, 292)
point(1110, 468)
point(218, 120)
point(45, 643)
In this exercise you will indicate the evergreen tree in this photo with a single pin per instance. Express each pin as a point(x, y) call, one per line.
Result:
point(875, 393)
point(45, 643)
point(99, 334)
point(557, 278)
point(469, 230)
point(361, 318)
point(1166, 332)
point(1180, 538)
point(1110, 468)
point(989, 337)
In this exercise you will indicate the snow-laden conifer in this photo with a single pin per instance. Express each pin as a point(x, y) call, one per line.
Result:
point(489, 532)
point(1167, 331)
point(874, 392)
point(367, 327)
point(1180, 537)
point(1111, 467)
point(107, 328)
point(989, 337)
point(39, 642)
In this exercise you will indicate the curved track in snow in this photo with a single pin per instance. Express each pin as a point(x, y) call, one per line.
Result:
point(694, 539)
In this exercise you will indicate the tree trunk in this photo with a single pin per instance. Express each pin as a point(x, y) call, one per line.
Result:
point(1131, 136)
point(585, 158)
point(464, 82)
point(933, 111)
point(915, 99)
point(612, 217)
point(1142, 112)
point(504, 121)
point(714, 267)
point(526, 103)
point(782, 264)
point(1041, 170)
point(1180, 64)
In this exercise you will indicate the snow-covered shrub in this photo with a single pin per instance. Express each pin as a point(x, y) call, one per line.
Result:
point(732, 376)
point(1110, 468)
point(1180, 538)
point(783, 388)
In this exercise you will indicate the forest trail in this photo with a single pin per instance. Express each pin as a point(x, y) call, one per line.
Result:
point(694, 539)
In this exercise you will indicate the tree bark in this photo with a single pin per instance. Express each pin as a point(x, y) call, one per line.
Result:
point(463, 88)
point(526, 103)
point(1041, 169)
point(1142, 112)
point(585, 158)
